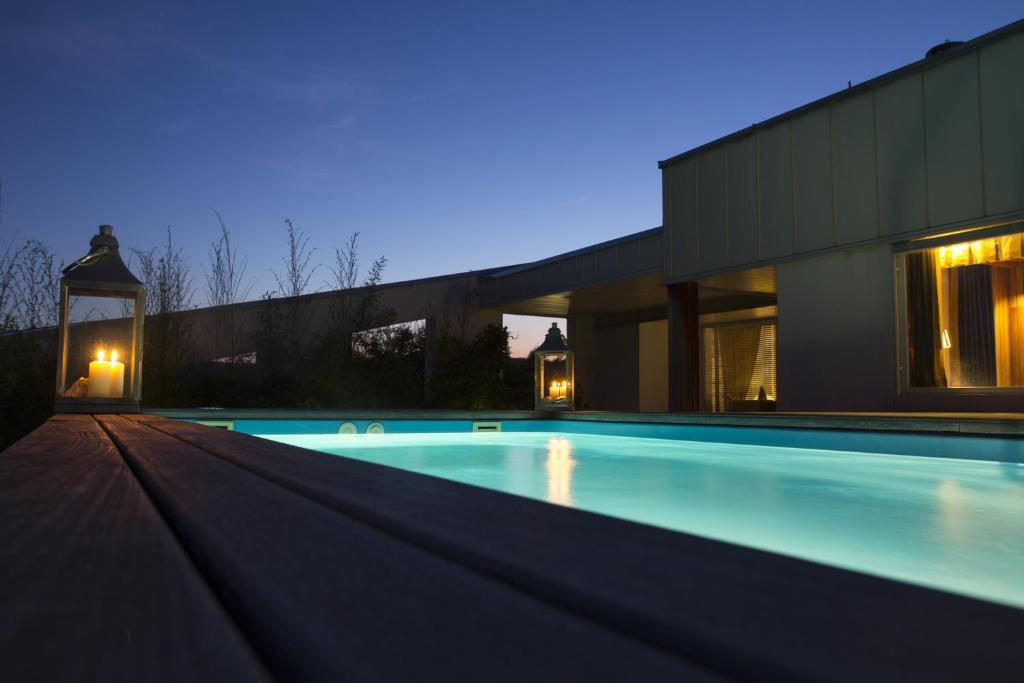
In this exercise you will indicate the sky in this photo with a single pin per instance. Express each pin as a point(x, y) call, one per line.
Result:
point(452, 136)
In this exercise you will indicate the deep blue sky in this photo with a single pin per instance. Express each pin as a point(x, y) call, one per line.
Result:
point(453, 135)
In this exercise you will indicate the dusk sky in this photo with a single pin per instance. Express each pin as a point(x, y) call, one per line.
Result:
point(452, 135)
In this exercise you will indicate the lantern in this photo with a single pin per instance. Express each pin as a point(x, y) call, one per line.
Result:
point(553, 380)
point(99, 345)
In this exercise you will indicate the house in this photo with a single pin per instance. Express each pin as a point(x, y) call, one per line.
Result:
point(862, 252)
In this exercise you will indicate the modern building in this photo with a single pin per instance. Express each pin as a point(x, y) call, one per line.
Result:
point(862, 252)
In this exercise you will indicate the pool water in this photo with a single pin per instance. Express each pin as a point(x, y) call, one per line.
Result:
point(947, 523)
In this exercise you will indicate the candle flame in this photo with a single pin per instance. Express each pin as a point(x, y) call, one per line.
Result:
point(101, 355)
point(558, 390)
point(113, 356)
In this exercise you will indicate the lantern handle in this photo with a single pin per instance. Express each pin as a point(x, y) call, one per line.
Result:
point(89, 258)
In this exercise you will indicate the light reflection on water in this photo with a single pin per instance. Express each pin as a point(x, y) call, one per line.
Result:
point(951, 508)
point(559, 467)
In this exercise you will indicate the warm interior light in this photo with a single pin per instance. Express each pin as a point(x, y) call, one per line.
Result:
point(977, 287)
point(991, 250)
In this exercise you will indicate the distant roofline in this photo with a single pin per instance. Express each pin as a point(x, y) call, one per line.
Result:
point(951, 53)
point(326, 293)
point(253, 303)
point(511, 270)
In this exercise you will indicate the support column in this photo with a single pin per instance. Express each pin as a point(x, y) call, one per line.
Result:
point(430, 333)
point(683, 348)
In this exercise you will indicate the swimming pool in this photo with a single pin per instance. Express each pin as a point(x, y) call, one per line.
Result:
point(871, 502)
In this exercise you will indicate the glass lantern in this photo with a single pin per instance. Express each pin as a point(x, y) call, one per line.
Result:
point(99, 345)
point(553, 379)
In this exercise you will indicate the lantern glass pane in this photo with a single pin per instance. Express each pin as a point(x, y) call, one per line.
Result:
point(100, 347)
point(555, 377)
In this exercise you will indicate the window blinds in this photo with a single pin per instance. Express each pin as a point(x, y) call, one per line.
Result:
point(739, 361)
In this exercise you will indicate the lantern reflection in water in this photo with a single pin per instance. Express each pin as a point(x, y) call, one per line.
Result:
point(559, 467)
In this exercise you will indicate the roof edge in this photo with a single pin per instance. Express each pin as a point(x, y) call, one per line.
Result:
point(951, 53)
point(510, 270)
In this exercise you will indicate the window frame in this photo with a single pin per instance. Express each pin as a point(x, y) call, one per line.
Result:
point(900, 252)
point(702, 327)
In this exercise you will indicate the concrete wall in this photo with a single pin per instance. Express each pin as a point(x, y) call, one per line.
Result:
point(450, 302)
point(935, 145)
point(616, 352)
point(653, 366)
point(620, 365)
point(580, 335)
point(836, 335)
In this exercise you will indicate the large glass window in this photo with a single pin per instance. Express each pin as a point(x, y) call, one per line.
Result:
point(739, 366)
point(965, 314)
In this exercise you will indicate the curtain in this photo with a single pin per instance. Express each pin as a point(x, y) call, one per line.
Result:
point(1015, 323)
point(924, 333)
point(713, 389)
point(1008, 295)
point(976, 326)
point(739, 344)
point(739, 362)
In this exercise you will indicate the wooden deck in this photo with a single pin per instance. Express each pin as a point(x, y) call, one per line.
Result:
point(138, 548)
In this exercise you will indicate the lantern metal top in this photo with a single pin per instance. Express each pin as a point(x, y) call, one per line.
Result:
point(554, 342)
point(102, 268)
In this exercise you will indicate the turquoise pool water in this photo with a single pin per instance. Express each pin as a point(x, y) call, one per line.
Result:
point(952, 523)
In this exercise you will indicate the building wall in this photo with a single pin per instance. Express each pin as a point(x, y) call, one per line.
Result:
point(448, 301)
point(836, 331)
point(620, 365)
point(937, 145)
point(652, 369)
point(580, 335)
point(616, 354)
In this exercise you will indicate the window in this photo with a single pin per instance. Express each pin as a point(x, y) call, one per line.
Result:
point(739, 366)
point(965, 314)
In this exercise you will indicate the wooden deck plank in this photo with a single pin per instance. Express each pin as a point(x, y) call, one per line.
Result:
point(93, 586)
point(752, 614)
point(324, 597)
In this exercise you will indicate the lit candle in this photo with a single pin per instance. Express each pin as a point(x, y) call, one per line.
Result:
point(99, 376)
point(116, 376)
point(106, 378)
point(557, 391)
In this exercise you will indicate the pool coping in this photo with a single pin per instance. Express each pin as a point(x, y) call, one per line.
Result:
point(977, 424)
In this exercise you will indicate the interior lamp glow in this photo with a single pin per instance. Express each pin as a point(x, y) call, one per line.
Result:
point(100, 288)
point(553, 373)
point(946, 343)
